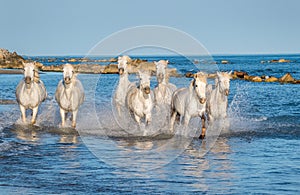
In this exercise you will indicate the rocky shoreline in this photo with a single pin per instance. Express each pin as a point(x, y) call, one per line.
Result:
point(11, 63)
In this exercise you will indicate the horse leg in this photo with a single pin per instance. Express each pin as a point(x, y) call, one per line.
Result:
point(62, 115)
point(74, 115)
point(118, 109)
point(148, 119)
point(172, 120)
point(186, 120)
point(202, 136)
point(137, 119)
point(177, 118)
point(34, 113)
point(23, 112)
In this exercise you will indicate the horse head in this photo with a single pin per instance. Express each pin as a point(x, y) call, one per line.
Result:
point(223, 82)
point(68, 73)
point(144, 82)
point(161, 67)
point(29, 69)
point(122, 64)
point(199, 85)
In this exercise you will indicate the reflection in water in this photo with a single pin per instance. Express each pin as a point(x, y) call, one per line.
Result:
point(27, 135)
point(26, 132)
point(68, 139)
point(214, 165)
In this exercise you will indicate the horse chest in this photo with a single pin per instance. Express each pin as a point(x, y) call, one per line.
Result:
point(66, 99)
point(29, 97)
point(163, 95)
point(194, 107)
point(142, 105)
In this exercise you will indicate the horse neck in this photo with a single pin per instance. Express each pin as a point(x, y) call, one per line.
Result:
point(69, 87)
point(162, 85)
point(29, 86)
point(218, 95)
point(194, 94)
point(124, 78)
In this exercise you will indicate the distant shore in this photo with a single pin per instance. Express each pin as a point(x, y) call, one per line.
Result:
point(11, 71)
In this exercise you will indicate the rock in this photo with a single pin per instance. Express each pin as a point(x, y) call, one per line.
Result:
point(211, 76)
point(10, 60)
point(273, 61)
point(115, 59)
point(287, 78)
point(284, 61)
point(189, 75)
point(239, 74)
point(52, 68)
point(72, 60)
point(52, 59)
point(111, 69)
point(256, 79)
point(224, 62)
point(172, 72)
point(271, 79)
point(280, 61)
point(264, 77)
point(248, 77)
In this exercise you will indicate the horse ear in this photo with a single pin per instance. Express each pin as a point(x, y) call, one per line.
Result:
point(167, 61)
point(155, 63)
point(119, 58)
point(195, 75)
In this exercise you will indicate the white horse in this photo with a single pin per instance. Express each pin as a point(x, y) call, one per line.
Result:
point(190, 102)
point(123, 85)
point(217, 100)
point(164, 90)
point(69, 94)
point(139, 99)
point(30, 92)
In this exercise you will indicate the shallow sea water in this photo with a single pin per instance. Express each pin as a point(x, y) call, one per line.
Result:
point(258, 153)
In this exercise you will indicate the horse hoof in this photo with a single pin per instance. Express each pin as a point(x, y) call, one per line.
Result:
point(201, 136)
point(74, 126)
point(33, 122)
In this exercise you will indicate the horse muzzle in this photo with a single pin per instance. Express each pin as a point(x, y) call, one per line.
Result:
point(121, 71)
point(27, 80)
point(202, 100)
point(227, 92)
point(147, 90)
point(67, 80)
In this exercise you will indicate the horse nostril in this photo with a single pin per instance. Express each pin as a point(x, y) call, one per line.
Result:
point(202, 100)
point(147, 90)
point(227, 92)
point(27, 80)
point(121, 70)
point(67, 79)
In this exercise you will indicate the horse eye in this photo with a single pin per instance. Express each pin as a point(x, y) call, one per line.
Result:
point(196, 85)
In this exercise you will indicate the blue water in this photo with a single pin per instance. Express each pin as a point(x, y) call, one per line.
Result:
point(259, 153)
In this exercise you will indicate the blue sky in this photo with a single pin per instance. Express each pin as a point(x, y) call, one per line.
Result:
point(68, 27)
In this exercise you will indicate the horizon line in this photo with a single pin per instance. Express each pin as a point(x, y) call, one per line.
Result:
point(155, 55)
